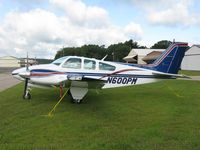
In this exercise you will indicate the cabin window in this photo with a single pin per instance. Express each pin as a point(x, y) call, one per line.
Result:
point(74, 63)
point(89, 64)
point(103, 66)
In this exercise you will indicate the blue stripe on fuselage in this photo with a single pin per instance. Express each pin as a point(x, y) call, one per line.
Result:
point(96, 74)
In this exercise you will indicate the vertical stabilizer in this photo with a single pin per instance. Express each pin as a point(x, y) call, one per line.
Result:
point(170, 60)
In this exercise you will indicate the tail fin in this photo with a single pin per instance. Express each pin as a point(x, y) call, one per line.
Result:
point(170, 60)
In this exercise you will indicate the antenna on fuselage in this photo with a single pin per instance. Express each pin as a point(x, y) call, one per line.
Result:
point(104, 57)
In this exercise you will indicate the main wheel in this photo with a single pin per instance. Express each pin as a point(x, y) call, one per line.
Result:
point(77, 101)
point(69, 93)
point(70, 96)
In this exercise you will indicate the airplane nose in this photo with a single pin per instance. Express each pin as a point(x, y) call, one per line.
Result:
point(25, 74)
point(16, 74)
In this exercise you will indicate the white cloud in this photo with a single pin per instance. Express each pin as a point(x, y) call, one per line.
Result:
point(172, 16)
point(43, 32)
point(177, 14)
point(79, 13)
point(133, 30)
point(26, 30)
point(169, 13)
point(75, 9)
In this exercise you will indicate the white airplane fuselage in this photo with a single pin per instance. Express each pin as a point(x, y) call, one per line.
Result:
point(81, 73)
point(123, 75)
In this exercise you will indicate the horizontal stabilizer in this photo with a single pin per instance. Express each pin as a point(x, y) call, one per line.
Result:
point(170, 75)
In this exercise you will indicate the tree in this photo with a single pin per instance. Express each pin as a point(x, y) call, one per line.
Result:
point(161, 44)
point(92, 51)
point(118, 51)
point(114, 51)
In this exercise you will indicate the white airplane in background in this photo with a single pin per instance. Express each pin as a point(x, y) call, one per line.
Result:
point(81, 73)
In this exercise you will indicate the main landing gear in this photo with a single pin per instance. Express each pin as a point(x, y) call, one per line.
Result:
point(77, 101)
point(77, 91)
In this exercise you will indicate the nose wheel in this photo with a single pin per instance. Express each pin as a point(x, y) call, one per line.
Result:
point(27, 95)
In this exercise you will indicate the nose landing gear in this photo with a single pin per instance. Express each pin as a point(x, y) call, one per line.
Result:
point(26, 94)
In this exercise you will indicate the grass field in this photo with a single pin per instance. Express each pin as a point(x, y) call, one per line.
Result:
point(159, 116)
point(190, 72)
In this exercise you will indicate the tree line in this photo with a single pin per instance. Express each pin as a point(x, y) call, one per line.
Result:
point(114, 52)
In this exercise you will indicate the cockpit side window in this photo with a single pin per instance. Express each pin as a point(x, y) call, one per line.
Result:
point(58, 61)
point(73, 63)
point(103, 66)
point(89, 64)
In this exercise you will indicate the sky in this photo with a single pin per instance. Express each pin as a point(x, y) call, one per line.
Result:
point(42, 27)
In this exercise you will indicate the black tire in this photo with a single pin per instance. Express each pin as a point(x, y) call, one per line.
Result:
point(70, 96)
point(69, 93)
point(78, 101)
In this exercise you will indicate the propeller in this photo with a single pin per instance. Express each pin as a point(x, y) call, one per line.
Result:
point(27, 62)
point(26, 75)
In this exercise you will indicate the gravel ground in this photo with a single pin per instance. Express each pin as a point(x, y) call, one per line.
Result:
point(6, 70)
point(195, 77)
point(6, 79)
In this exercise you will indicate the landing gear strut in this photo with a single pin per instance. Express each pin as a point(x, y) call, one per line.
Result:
point(26, 94)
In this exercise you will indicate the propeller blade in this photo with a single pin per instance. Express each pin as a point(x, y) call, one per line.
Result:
point(26, 76)
point(27, 62)
point(25, 88)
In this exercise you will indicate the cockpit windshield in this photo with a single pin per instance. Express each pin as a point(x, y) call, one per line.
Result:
point(59, 61)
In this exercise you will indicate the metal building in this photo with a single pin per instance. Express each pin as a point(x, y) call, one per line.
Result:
point(191, 61)
point(138, 56)
point(9, 61)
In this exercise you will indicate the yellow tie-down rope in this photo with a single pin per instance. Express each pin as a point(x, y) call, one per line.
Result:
point(50, 114)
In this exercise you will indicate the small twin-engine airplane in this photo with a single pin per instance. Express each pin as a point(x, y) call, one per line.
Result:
point(80, 73)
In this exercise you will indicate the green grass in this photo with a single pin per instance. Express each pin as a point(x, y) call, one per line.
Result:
point(159, 116)
point(190, 72)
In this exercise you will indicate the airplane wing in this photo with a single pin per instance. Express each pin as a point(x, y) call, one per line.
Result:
point(92, 81)
point(170, 75)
